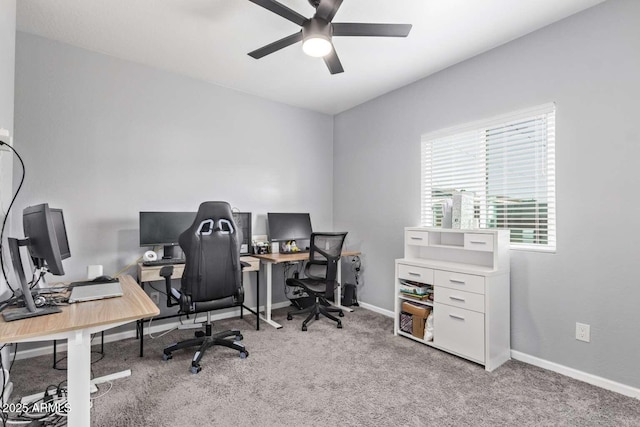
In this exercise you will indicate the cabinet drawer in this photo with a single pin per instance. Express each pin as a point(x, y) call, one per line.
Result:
point(458, 330)
point(416, 238)
point(418, 274)
point(152, 273)
point(478, 242)
point(460, 281)
point(457, 298)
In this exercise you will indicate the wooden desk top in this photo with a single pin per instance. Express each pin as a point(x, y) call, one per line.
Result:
point(278, 258)
point(133, 305)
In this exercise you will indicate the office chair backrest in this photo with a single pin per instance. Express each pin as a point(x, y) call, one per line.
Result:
point(324, 256)
point(212, 250)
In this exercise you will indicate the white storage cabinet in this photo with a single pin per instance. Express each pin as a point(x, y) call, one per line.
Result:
point(469, 271)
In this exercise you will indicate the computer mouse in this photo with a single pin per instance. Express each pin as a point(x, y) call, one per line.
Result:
point(103, 279)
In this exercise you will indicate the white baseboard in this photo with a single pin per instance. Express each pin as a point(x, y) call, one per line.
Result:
point(578, 375)
point(154, 329)
point(376, 309)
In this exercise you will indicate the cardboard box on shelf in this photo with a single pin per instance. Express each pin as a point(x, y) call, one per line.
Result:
point(419, 314)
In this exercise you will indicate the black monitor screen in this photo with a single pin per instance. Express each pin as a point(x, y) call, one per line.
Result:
point(41, 226)
point(289, 226)
point(163, 228)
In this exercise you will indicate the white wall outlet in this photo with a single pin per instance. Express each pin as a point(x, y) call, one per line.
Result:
point(583, 332)
point(155, 297)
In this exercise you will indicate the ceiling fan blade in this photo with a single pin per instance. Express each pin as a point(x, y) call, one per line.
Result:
point(277, 45)
point(282, 10)
point(333, 62)
point(327, 9)
point(371, 30)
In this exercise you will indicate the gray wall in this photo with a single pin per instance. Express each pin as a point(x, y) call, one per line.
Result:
point(104, 138)
point(589, 65)
point(7, 67)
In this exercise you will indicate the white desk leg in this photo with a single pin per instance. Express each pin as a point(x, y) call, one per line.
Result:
point(78, 378)
point(267, 316)
point(337, 294)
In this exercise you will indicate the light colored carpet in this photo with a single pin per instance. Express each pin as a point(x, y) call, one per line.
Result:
point(360, 376)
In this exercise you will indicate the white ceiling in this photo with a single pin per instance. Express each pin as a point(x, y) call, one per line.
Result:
point(210, 39)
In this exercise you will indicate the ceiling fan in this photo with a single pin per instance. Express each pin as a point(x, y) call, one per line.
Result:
point(317, 31)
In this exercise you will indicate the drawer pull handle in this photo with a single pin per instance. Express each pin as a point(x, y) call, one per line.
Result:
point(457, 281)
point(455, 316)
point(478, 242)
point(411, 273)
point(456, 298)
point(416, 238)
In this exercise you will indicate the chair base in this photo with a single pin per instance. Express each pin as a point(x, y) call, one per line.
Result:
point(206, 340)
point(321, 306)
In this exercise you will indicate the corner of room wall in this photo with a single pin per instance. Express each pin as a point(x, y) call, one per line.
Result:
point(7, 73)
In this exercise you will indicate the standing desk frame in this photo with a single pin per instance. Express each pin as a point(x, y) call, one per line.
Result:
point(268, 260)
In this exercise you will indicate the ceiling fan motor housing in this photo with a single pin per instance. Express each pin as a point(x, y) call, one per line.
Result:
point(317, 27)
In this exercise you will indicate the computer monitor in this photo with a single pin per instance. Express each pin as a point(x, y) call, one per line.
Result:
point(45, 230)
point(47, 243)
point(164, 229)
point(283, 227)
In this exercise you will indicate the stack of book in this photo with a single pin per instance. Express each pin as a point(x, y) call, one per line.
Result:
point(416, 290)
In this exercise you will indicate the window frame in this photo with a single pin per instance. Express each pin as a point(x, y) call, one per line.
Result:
point(475, 136)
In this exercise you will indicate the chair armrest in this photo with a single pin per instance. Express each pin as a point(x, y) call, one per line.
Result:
point(173, 295)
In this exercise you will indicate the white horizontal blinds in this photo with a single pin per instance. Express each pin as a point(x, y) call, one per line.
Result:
point(508, 163)
point(450, 163)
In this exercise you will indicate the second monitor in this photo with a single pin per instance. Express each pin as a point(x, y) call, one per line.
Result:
point(288, 227)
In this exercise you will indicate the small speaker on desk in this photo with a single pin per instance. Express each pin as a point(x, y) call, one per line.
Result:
point(150, 256)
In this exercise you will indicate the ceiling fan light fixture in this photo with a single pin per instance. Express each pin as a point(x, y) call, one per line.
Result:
point(316, 36)
point(316, 46)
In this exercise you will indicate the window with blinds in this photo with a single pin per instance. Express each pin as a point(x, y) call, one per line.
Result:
point(508, 162)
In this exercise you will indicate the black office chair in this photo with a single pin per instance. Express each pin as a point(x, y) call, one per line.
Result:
point(212, 278)
point(320, 280)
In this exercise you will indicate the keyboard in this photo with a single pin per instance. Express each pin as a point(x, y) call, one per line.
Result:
point(163, 261)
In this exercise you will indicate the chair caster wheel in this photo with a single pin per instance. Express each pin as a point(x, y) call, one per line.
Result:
point(304, 327)
point(196, 369)
point(199, 334)
point(239, 337)
point(340, 314)
point(317, 317)
point(244, 354)
point(289, 316)
point(166, 357)
point(339, 325)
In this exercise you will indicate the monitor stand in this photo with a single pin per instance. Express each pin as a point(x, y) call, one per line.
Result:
point(25, 313)
point(30, 310)
point(168, 252)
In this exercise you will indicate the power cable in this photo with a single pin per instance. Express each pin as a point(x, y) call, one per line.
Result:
point(4, 221)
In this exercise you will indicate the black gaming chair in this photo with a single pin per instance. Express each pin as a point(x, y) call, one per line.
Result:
point(320, 280)
point(212, 278)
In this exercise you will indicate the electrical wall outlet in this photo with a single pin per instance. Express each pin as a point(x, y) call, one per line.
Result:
point(583, 332)
point(155, 297)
